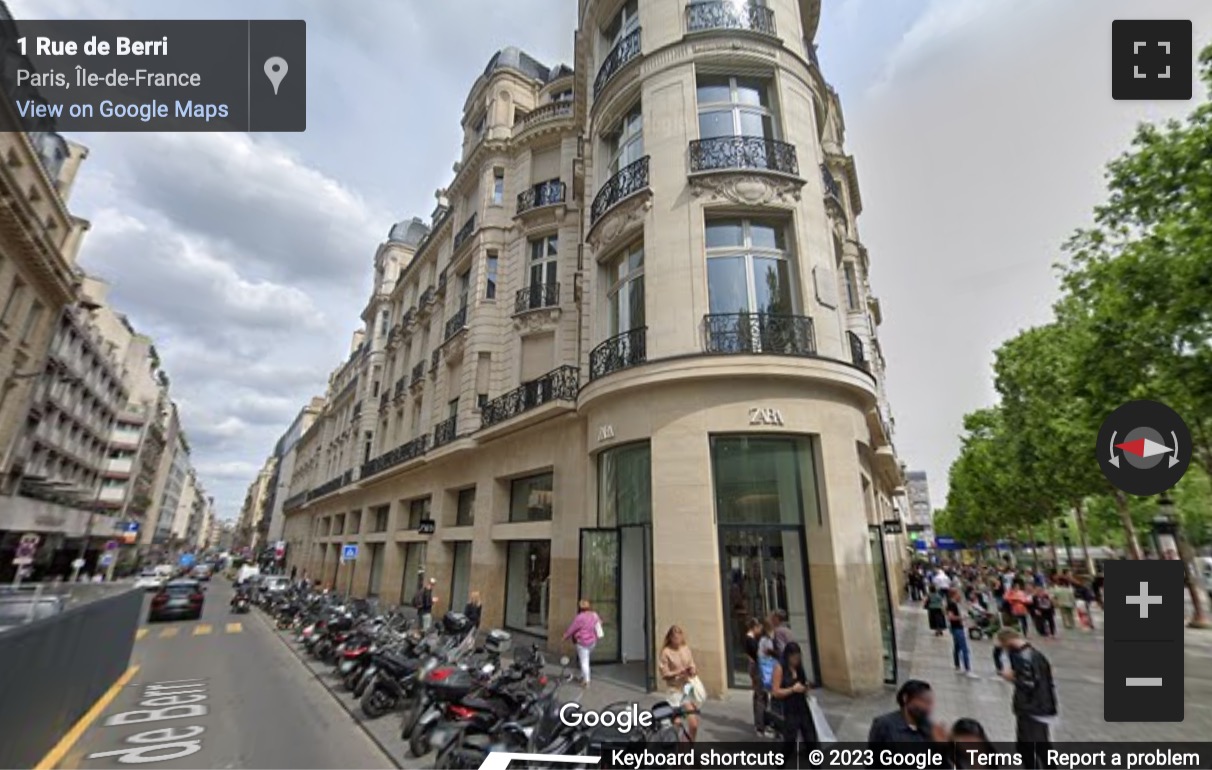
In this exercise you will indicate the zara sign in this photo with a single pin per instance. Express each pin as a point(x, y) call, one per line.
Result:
point(765, 416)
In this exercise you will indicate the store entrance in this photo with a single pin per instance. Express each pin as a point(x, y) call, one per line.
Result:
point(616, 577)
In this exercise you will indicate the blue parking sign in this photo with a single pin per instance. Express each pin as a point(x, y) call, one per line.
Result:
point(349, 552)
point(187, 560)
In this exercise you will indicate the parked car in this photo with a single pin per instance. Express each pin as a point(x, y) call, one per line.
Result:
point(149, 580)
point(201, 572)
point(181, 598)
point(274, 583)
point(17, 609)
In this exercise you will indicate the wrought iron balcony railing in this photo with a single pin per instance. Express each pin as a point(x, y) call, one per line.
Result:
point(790, 335)
point(434, 358)
point(401, 454)
point(833, 190)
point(857, 355)
point(552, 110)
point(331, 486)
point(624, 51)
point(725, 14)
point(536, 296)
point(630, 179)
point(446, 432)
point(749, 152)
point(812, 56)
point(418, 374)
point(557, 385)
point(428, 297)
point(442, 281)
point(465, 232)
point(294, 501)
point(542, 194)
point(457, 322)
point(619, 352)
point(384, 400)
point(357, 410)
point(401, 384)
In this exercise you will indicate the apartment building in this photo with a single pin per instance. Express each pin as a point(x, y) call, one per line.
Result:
point(285, 454)
point(255, 511)
point(632, 357)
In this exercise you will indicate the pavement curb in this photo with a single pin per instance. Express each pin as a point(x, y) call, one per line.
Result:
point(336, 696)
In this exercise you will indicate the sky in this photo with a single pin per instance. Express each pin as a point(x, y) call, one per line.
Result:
point(980, 130)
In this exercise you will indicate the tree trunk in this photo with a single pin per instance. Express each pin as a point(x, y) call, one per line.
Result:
point(1079, 514)
point(1125, 516)
point(1199, 618)
point(1052, 544)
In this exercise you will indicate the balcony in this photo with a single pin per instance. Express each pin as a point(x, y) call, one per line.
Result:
point(857, 356)
point(457, 322)
point(384, 400)
point(442, 282)
point(540, 195)
point(357, 411)
point(833, 190)
point(418, 375)
point(619, 352)
point(465, 232)
point(401, 454)
point(557, 385)
point(434, 358)
point(630, 180)
point(401, 384)
point(725, 153)
point(788, 335)
point(551, 111)
point(446, 432)
point(330, 486)
point(536, 297)
point(726, 14)
point(428, 297)
point(625, 51)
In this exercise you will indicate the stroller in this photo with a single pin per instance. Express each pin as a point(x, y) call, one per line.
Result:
point(983, 623)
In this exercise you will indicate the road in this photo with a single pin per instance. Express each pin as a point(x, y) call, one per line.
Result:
point(221, 692)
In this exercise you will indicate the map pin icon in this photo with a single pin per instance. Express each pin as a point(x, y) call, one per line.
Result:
point(275, 70)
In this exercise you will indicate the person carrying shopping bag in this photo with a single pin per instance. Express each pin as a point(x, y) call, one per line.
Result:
point(584, 631)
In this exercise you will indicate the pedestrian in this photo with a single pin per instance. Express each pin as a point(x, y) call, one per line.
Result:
point(910, 724)
point(1083, 594)
point(1045, 613)
point(1019, 602)
point(474, 609)
point(915, 584)
point(791, 687)
point(294, 570)
point(584, 631)
point(959, 635)
point(780, 633)
point(423, 603)
point(1097, 589)
point(971, 745)
point(755, 632)
point(1066, 601)
point(1034, 701)
point(683, 688)
point(934, 610)
point(941, 581)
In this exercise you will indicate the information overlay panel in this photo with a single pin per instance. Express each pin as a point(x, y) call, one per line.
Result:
point(156, 75)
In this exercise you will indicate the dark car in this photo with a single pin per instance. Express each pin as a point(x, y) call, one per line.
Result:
point(177, 599)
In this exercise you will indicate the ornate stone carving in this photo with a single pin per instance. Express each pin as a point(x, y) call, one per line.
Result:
point(537, 321)
point(746, 189)
point(623, 219)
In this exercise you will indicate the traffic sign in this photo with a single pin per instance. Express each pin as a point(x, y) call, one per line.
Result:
point(106, 559)
point(78, 564)
point(21, 561)
point(31, 538)
point(186, 560)
point(111, 545)
point(349, 552)
point(129, 537)
point(130, 526)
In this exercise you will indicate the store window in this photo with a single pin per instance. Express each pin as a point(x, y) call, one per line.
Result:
point(465, 508)
point(749, 267)
point(355, 522)
point(625, 486)
point(527, 586)
point(625, 290)
point(381, 514)
point(530, 499)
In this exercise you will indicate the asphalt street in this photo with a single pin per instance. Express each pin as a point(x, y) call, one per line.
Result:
point(221, 692)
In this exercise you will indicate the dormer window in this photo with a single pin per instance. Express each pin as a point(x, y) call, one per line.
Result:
point(563, 96)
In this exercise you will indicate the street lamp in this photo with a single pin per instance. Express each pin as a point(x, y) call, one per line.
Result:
point(1064, 528)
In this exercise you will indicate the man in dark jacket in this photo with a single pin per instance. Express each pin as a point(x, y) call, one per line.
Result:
point(1034, 703)
point(423, 602)
point(909, 729)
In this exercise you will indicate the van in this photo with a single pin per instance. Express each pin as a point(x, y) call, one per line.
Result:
point(247, 572)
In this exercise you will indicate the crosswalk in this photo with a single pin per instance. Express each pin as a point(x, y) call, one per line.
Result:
point(199, 629)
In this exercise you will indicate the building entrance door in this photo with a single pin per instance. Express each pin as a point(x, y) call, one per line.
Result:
point(616, 578)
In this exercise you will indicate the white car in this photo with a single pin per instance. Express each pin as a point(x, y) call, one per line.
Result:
point(149, 580)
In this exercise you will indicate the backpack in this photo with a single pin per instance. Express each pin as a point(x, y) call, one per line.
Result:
point(766, 665)
point(1043, 602)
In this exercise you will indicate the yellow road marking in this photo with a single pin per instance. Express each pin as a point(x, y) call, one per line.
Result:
point(142, 632)
point(234, 628)
point(202, 629)
point(56, 754)
point(168, 633)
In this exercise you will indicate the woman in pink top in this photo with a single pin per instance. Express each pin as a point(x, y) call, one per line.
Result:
point(583, 631)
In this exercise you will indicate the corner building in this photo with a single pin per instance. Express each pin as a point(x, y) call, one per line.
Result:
point(632, 357)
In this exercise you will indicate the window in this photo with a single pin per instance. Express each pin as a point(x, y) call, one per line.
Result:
point(623, 24)
point(852, 290)
point(544, 254)
point(481, 400)
point(384, 320)
point(478, 129)
point(527, 585)
point(418, 511)
point(626, 142)
point(625, 486)
point(367, 446)
point(562, 96)
point(498, 186)
point(355, 522)
point(490, 273)
point(460, 577)
point(748, 269)
point(452, 408)
point(414, 570)
point(31, 319)
point(338, 524)
point(464, 287)
point(730, 106)
point(465, 508)
point(380, 518)
point(763, 481)
point(530, 498)
point(15, 295)
point(626, 291)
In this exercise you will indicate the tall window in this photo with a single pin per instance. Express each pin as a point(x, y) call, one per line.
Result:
point(625, 143)
point(490, 274)
point(380, 518)
point(748, 267)
point(530, 498)
point(527, 585)
point(852, 291)
point(626, 21)
point(418, 511)
point(384, 322)
point(31, 319)
point(368, 442)
point(498, 186)
point(464, 287)
point(452, 408)
point(14, 300)
point(544, 253)
point(465, 510)
point(626, 291)
point(730, 106)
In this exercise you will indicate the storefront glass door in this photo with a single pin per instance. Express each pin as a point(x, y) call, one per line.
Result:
point(875, 537)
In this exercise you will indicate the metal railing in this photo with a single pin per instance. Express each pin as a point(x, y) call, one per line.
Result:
point(552, 110)
point(457, 322)
point(434, 358)
point(330, 486)
point(857, 355)
point(833, 190)
point(384, 400)
point(542, 194)
point(442, 281)
point(536, 296)
point(357, 411)
point(418, 374)
point(630, 179)
point(295, 501)
point(725, 14)
point(624, 51)
point(748, 152)
point(401, 384)
point(446, 431)
point(428, 297)
point(559, 384)
point(401, 454)
point(790, 335)
point(465, 232)
point(619, 352)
